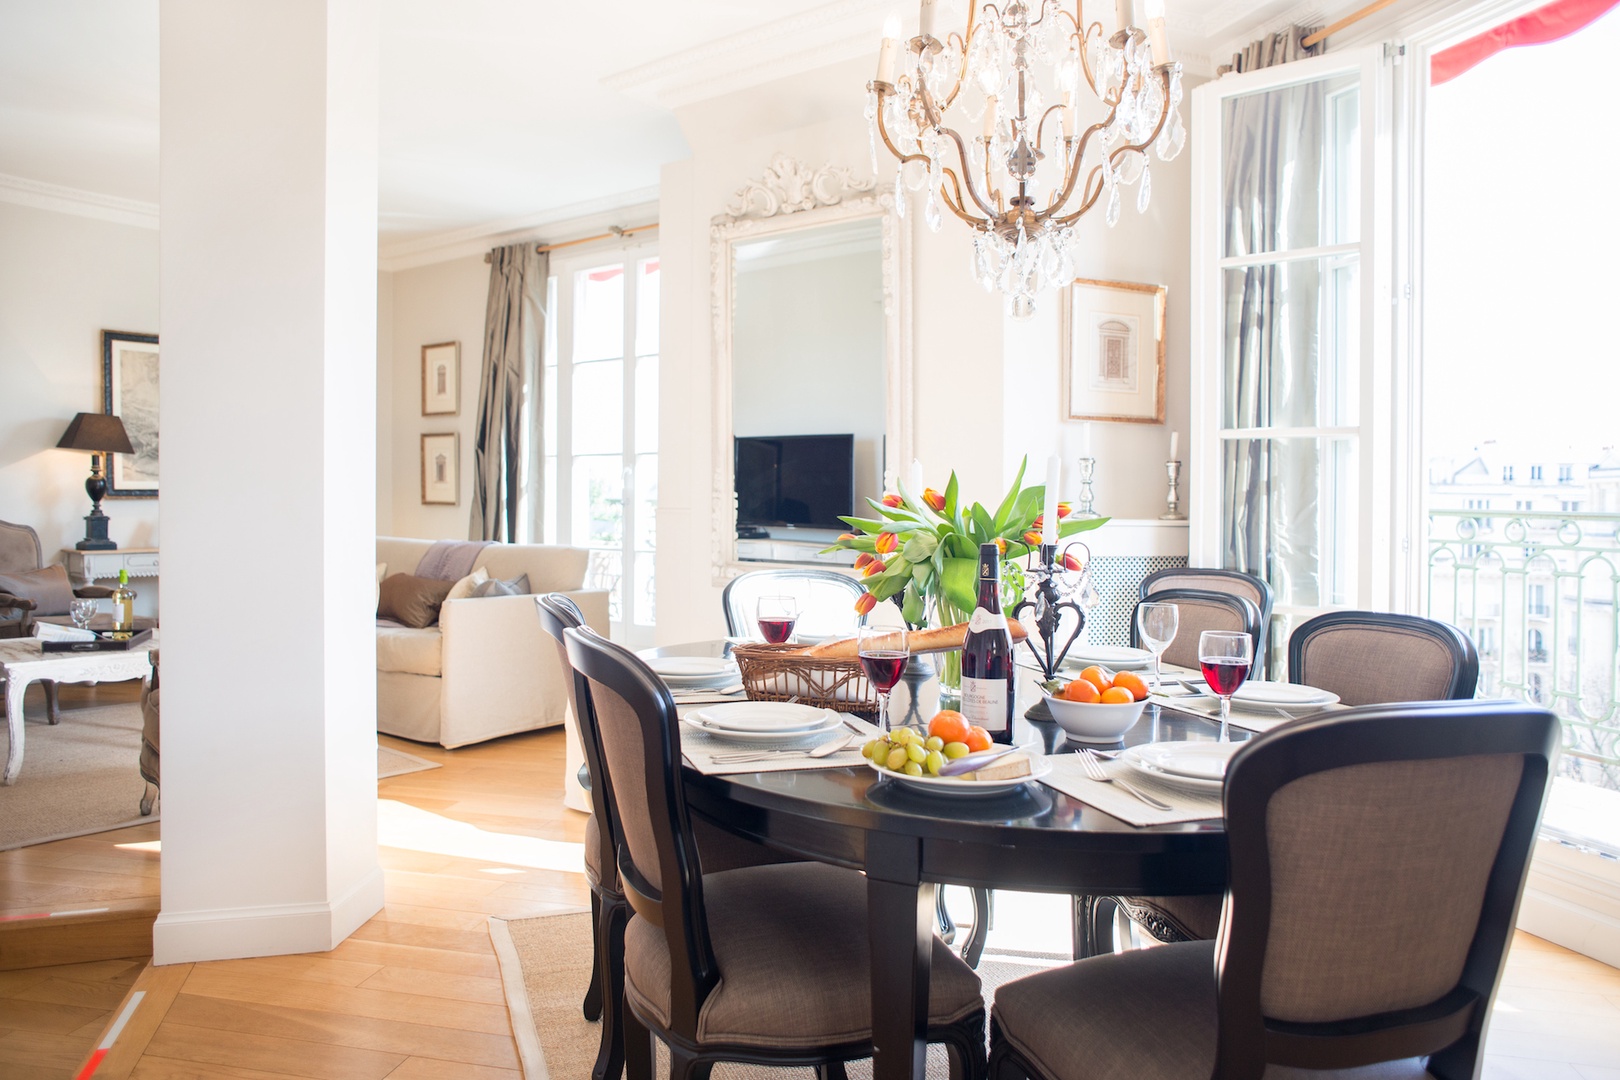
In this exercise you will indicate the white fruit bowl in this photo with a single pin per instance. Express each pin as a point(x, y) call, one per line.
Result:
point(1094, 723)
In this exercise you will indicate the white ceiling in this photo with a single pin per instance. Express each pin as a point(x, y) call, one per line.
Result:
point(496, 114)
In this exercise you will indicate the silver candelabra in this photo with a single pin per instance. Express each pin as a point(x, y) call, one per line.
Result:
point(1172, 499)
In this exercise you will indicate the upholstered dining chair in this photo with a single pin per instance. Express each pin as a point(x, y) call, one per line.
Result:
point(1436, 803)
point(1253, 589)
point(1367, 657)
point(766, 964)
point(826, 599)
point(30, 590)
point(1200, 610)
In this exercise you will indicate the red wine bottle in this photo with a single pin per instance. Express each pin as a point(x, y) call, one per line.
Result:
point(987, 655)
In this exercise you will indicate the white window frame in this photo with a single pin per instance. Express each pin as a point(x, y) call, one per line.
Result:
point(564, 269)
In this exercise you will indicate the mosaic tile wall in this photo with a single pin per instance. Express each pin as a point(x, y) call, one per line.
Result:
point(1117, 578)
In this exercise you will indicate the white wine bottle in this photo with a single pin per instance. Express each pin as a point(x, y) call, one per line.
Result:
point(123, 601)
point(987, 656)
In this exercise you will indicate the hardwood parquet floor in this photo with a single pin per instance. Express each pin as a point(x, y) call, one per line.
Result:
point(415, 994)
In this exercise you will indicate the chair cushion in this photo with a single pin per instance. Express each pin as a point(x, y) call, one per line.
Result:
point(410, 650)
point(795, 968)
point(1193, 918)
point(48, 587)
point(411, 600)
point(1148, 1014)
point(593, 850)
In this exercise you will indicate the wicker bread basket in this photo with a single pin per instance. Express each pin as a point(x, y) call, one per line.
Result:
point(783, 673)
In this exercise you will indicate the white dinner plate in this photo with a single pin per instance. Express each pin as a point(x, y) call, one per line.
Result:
point(1262, 692)
point(830, 722)
point(956, 786)
point(1195, 764)
point(755, 716)
point(1117, 657)
point(687, 672)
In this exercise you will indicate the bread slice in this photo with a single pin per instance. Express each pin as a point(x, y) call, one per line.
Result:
point(1007, 768)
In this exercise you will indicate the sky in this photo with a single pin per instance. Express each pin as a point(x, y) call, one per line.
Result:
point(1522, 252)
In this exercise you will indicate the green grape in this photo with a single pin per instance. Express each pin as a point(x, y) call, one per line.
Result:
point(935, 743)
point(897, 757)
point(872, 748)
point(934, 763)
point(912, 769)
point(916, 753)
point(954, 750)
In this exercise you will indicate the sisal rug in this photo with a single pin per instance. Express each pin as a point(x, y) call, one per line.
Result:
point(546, 966)
point(83, 776)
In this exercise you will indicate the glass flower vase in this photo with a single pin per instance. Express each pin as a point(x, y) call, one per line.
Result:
point(949, 663)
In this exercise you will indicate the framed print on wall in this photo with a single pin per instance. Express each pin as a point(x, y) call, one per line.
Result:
point(441, 379)
point(1113, 351)
point(129, 391)
point(441, 469)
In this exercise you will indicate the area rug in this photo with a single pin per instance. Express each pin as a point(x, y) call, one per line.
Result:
point(546, 966)
point(82, 776)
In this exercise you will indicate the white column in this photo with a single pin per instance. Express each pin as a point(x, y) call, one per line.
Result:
point(268, 320)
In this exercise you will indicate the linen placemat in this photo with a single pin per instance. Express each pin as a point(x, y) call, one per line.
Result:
point(1248, 715)
point(699, 749)
point(1068, 775)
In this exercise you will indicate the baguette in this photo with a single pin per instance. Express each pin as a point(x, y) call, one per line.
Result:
point(934, 639)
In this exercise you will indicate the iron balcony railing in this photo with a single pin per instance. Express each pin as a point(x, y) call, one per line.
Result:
point(1539, 593)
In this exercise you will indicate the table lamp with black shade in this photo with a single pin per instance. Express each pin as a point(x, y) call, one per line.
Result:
point(102, 435)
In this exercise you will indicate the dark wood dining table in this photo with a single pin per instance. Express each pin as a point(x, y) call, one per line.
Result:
point(1032, 839)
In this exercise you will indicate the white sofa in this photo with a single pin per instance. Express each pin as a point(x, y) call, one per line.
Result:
point(487, 668)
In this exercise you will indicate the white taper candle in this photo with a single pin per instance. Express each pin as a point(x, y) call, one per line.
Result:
point(1049, 520)
point(1175, 439)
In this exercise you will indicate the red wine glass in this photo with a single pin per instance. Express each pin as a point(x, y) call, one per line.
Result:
point(1225, 656)
point(777, 616)
point(884, 651)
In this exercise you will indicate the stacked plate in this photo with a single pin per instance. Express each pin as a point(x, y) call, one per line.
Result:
point(1281, 694)
point(1200, 766)
point(1116, 657)
point(694, 672)
point(763, 721)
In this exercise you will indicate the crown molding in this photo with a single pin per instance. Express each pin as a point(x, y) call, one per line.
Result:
point(21, 191)
point(641, 203)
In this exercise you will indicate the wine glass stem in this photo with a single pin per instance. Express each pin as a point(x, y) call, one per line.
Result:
point(1226, 717)
point(1158, 679)
point(883, 710)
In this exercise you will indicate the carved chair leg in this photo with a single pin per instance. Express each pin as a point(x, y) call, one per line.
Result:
point(593, 993)
point(148, 799)
point(611, 1057)
point(973, 947)
point(1093, 925)
point(683, 1066)
point(832, 1070)
point(942, 913)
point(638, 1048)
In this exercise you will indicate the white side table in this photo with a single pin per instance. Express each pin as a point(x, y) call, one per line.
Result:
point(22, 661)
point(88, 567)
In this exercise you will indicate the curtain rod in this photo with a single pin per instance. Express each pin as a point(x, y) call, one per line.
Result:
point(614, 233)
point(1349, 20)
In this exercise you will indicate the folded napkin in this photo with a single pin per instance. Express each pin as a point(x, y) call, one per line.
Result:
point(1068, 775)
point(699, 749)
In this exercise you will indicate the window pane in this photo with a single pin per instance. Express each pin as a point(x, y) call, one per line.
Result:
point(647, 308)
point(598, 501)
point(550, 345)
point(605, 571)
point(599, 314)
point(552, 501)
point(646, 404)
point(1292, 167)
point(646, 502)
point(599, 407)
point(1288, 514)
point(645, 611)
point(1292, 344)
point(548, 388)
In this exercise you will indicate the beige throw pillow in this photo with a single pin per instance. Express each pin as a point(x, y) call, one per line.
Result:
point(462, 589)
point(412, 601)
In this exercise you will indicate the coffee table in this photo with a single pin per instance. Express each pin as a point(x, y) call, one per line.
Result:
point(22, 662)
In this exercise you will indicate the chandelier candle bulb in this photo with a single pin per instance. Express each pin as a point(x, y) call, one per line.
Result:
point(1122, 13)
point(926, 17)
point(885, 71)
point(1157, 38)
point(1070, 115)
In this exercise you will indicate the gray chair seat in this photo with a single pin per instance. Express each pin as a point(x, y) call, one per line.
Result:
point(1148, 1015)
point(793, 958)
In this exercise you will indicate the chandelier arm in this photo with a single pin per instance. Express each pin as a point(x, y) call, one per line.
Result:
point(1073, 172)
point(954, 203)
point(1040, 128)
point(1085, 55)
point(883, 130)
point(962, 156)
point(963, 40)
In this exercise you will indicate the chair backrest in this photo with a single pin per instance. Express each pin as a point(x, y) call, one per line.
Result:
point(826, 600)
point(1199, 610)
point(559, 614)
point(658, 860)
point(1370, 657)
point(1377, 857)
point(19, 549)
point(1255, 590)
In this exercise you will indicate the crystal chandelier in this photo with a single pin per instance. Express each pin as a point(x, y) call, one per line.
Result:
point(1024, 181)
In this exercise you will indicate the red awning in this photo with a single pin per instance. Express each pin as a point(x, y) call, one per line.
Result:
point(1557, 20)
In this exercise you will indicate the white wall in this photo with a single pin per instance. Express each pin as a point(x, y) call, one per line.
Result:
point(63, 280)
point(430, 304)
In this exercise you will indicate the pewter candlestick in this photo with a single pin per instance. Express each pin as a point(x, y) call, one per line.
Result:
point(1088, 469)
point(1173, 470)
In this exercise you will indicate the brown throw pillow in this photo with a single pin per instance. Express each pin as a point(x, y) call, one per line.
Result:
point(411, 600)
point(47, 587)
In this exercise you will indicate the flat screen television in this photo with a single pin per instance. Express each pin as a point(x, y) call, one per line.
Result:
point(802, 480)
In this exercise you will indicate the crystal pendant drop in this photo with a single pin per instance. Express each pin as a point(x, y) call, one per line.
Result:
point(1144, 193)
point(931, 211)
point(899, 196)
point(1021, 306)
point(1112, 216)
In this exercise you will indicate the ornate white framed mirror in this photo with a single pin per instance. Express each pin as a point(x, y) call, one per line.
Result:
point(812, 362)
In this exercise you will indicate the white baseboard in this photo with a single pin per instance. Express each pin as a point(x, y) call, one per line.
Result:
point(1572, 898)
point(273, 930)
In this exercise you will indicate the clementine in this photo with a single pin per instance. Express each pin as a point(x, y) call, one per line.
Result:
point(949, 725)
point(1082, 690)
point(1133, 682)
point(977, 739)
point(1117, 695)
point(1098, 676)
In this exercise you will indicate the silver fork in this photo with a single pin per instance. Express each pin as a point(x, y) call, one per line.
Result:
point(1094, 771)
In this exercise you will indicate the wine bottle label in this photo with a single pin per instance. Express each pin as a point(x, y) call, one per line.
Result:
point(984, 702)
point(983, 620)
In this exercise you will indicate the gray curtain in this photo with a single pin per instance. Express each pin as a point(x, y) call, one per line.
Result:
point(514, 330)
point(1278, 48)
point(1272, 191)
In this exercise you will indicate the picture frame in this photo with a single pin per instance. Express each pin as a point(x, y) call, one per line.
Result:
point(130, 391)
point(441, 469)
point(1113, 351)
point(441, 379)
